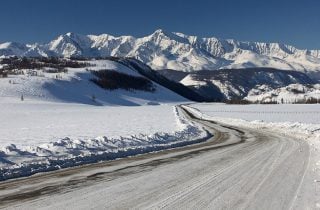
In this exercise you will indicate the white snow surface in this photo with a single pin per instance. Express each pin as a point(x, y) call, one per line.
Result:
point(76, 87)
point(34, 123)
point(39, 136)
point(189, 81)
point(58, 124)
point(291, 113)
point(298, 120)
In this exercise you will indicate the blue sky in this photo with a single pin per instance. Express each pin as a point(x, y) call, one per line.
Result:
point(295, 22)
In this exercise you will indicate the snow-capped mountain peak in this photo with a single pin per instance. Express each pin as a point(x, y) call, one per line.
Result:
point(173, 50)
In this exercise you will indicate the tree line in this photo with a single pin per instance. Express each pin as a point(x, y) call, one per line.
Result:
point(54, 64)
point(111, 80)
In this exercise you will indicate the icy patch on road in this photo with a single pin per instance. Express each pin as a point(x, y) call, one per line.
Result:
point(67, 152)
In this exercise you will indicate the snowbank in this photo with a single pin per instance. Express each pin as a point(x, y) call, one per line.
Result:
point(306, 131)
point(23, 161)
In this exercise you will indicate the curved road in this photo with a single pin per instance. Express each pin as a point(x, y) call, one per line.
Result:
point(238, 168)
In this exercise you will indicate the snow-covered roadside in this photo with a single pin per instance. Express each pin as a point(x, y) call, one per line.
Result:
point(306, 131)
point(309, 132)
point(67, 152)
point(301, 130)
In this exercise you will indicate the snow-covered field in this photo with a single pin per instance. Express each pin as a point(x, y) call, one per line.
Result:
point(304, 113)
point(41, 136)
point(298, 120)
point(33, 123)
point(58, 124)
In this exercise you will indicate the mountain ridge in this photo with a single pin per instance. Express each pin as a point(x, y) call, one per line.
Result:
point(173, 50)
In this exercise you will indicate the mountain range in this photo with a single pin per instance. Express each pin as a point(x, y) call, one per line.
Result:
point(177, 51)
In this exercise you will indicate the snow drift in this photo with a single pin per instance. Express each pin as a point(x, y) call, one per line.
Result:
point(67, 152)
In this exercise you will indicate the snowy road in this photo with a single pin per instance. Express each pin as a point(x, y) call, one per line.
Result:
point(238, 168)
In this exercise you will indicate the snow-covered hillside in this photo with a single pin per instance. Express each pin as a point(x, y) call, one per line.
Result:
point(75, 86)
point(294, 93)
point(52, 120)
point(239, 83)
point(166, 50)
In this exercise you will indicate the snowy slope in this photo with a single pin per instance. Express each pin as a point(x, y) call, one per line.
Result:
point(166, 50)
point(289, 94)
point(76, 87)
point(238, 83)
point(58, 124)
